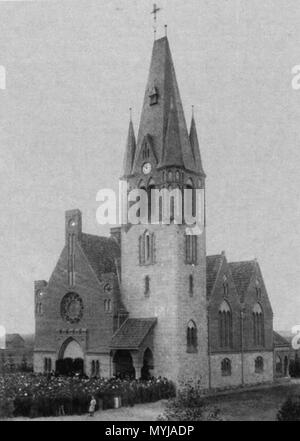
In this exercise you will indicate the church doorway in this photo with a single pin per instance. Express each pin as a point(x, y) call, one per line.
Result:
point(70, 361)
point(123, 365)
point(147, 364)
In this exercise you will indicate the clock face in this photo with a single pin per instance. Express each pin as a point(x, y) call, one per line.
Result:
point(147, 168)
point(72, 223)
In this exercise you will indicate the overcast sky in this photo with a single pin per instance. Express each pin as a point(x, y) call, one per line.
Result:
point(73, 70)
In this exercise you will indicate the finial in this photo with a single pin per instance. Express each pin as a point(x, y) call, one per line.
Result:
point(130, 114)
point(166, 30)
point(154, 12)
point(192, 111)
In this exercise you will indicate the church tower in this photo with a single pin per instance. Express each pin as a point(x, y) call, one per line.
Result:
point(163, 269)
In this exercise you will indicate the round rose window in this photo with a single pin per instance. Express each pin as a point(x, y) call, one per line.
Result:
point(71, 307)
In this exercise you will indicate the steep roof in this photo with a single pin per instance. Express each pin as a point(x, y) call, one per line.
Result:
point(130, 150)
point(195, 146)
point(132, 333)
point(278, 340)
point(159, 119)
point(212, 267)
point(101, 253)
point(242, 273)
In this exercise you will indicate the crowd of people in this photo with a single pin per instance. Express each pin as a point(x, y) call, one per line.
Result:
point(48, 395)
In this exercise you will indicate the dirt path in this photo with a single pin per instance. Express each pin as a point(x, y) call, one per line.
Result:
point(140, 412)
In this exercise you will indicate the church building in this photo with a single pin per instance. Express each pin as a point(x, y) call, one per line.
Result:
point(148, 300)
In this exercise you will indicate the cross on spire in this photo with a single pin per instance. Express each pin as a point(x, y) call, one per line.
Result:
point(154, 12)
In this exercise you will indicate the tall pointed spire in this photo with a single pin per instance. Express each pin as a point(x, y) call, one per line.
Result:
point(172, 154)
point(130, 149)
point(195, 145)
point(158, 119)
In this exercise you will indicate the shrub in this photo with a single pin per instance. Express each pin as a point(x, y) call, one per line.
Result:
point(290, 410)
point(189, 405)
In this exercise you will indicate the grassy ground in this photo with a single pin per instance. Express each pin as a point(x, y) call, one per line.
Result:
point(254, 405)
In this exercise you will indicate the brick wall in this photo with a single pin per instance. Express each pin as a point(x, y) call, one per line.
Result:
point(169, 299)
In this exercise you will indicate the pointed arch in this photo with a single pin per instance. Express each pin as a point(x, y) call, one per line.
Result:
point(191, 336)
point(71, 348)
point(225, 325)
point(258, 325)
point(147, 248)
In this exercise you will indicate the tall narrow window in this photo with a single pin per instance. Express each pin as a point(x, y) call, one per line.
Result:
point(191, 337)
point(147, 237)
point(71, 260)
point(190, 205)
point(225, 325)
point(258, 325)
point(191, 285)
point(147, 286)
point(225, 286)
point(259, 365)
point(191, 249)
point(147, 248)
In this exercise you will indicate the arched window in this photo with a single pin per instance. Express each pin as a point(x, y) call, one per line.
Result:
point(259, 365)
point(147, 248)
point(147, 286)
point(109, 305)
point(191, 285)
point(105, 305)
point(226, 367)
point(225, 325)
point(258, 325)
point(177, 176)
point(192, 342)
point(170, 176)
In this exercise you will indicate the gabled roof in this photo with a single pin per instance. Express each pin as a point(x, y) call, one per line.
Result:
point(278, 340)
point(132, 333)
point(9, 338)
point(101, 253)
point(242, 273)
point(212, 267)
point(158, 119)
